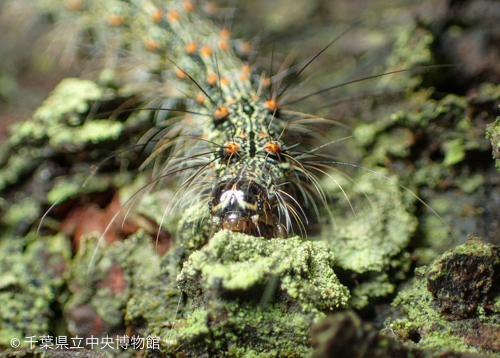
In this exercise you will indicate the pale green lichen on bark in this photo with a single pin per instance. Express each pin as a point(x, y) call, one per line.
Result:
point(31, 282)
point(372, 240)
point(124, 282)
point(493, 134)
point(448, 127)
point(411, 49)
point(450, 296)
point(271, 289)
point(69, 100)
point(379, 248)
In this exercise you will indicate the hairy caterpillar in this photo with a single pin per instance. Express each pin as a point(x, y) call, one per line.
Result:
point(149, 52)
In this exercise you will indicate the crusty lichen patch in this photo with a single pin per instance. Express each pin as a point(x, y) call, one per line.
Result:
point(31, 284)
point(493, 133)
point(453, 303)
point(60, 113)
point(371, 242)
point(114, 284)
point(269, 290)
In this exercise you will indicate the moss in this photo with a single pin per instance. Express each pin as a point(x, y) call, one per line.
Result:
point(269, 291)
point(450, 304)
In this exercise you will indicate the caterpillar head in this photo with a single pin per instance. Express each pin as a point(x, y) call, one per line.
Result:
point(242, 205)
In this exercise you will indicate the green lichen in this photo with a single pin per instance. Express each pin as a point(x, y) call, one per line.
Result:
point(344, 334)
point(70, 187)
point(26, 209)
point(411, 49)
point(489, 92)
point(16, 166)
point(437, 118)
point(69, 100)
point(195, 227)
point(372, 240)
point(442, 137)
point(95, 131)
point(378, 287)
point(493, 134)
point(31, 284)
point(243, 330)
point(270, 289)
point(370, 247)
point(155, 204)
point(448, 298)
point(454, 152)
point(472, 184)
point(113, 272)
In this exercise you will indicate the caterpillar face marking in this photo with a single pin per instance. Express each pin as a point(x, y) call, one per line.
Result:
point(249, 168)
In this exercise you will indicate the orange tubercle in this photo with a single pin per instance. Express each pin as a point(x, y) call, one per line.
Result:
point(115, 20)
point(74, 5)
point(246, 68)
point(223, 44)
point(205, 50)
point(157, 15)
point(188, 6)
point(200, 98)
point(191, 47)
point(272, 147)
point(245, 48)
point(224, 81)
point(231, 148)
point(221, 112)
point(180, 74)
point(212, 79)
point(211, 8)
point(173, 16)
point(152, 45)
point(271, 105)
point(224, 33)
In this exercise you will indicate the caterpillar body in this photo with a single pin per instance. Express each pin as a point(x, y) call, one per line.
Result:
point(249, 162)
